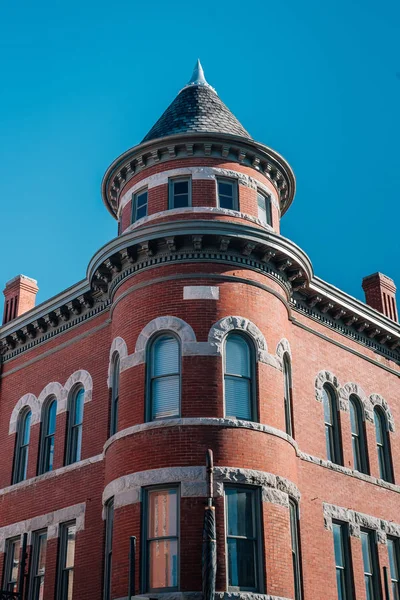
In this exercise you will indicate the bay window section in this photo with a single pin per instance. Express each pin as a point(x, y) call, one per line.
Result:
point(180, 192)
point(371, 568)
point(264, 208)
point(162, 540)
point(227, 194)
point(341, 543)
point(243, 529)
point(39, 547)
point(11, 565)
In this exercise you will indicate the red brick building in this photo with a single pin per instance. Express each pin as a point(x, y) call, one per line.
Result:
point(200, 327)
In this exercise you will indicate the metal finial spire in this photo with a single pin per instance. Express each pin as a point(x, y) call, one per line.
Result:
point(197, 77)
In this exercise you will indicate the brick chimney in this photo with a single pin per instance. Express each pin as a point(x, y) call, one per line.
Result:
point(380, 293)
point(20, 294)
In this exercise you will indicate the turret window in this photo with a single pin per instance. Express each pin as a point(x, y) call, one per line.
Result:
point(164, 385)
point(180, 192)
point(239, 377)
point(114, 394)
point(139, 205)
point(287, 374)
point(227, 194)
point(22, 446)
point(264, 208)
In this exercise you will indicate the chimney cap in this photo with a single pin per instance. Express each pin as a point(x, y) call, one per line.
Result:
point(22, 279)
point(384, 280)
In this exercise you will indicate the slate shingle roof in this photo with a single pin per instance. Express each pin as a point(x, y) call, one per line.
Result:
point(196, 108)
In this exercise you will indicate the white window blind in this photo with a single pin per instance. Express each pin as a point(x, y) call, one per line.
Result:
point(238, 371)
point(165, 378)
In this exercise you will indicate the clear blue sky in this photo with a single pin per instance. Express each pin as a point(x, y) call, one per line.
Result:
point(83, 81)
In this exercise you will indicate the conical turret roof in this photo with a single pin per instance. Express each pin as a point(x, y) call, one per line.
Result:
point(197, 108)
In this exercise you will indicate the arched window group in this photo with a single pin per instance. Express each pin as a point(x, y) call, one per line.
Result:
point(47, 435)
point(358, 434)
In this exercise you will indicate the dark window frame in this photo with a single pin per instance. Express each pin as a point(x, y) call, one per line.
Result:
point(258, 528)
point(171, 191)
point(267, 207)
point(347, 569)
point(394, 582)
point(135, 197)
point(45, 436)
point(252, 379)
point(149, 412)
point(333, 430)
point(288, 394)
point(8, 564)
point(296, 550)
point(114, 400)
point(145, 539)
point(374, 559)
point(71, 456)
point(235, 192)
point(358, 440)
point(383, 449)
point(108, 548)
point(34, 576)
point(62, 589)
point(21, 452)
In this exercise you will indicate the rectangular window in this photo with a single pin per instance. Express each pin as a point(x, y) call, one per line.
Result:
point(227, 194)
point(66, 560)
point(264, 208)
point(108, 549)
point(393, 550)
point(294, 535)
point(342, 561)
point(242, 530)
point(370, 561)
point(139, 205)
point(39, 547)
point(162, 539)
point(180, 192)
point(11, 565)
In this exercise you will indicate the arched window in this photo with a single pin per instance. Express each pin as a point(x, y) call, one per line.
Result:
point(382, 445)
point(75, 420)
point(114, 394)
point(164, 375)
point(22, 446)
point(358, 436)
point(333, 447)
point(48, 431)
point(239, 378)
point(287, 376)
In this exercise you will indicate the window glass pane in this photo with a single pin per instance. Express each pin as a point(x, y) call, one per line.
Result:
point(163, 564)
point(70, 547)
point(141, 199)
point(78, 413)
point(165, 359)
point(337, 539)
point(366, 552)
point(163, 511)
point(15, 557)
point(237, 356)
point(70, 584)
point(327, 401)
point(392, 561)
point(329, 443)
point(240, 512)
point(42, 547)
point(241, 561)
point(238, 398)
point(353, 417)
point(165, 396)
point(181, 187)
point(225, 188)
point(51, 417)
point(26, 428)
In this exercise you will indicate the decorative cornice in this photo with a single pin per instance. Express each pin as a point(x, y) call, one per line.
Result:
point(227, 242)
point(177, 147)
